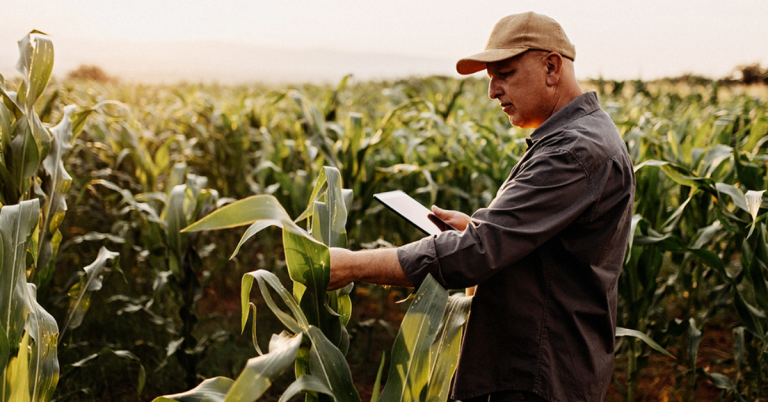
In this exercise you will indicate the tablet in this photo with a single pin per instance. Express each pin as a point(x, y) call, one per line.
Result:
point(411, 210)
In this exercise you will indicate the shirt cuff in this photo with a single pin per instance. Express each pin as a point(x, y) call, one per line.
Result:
point(419, 259)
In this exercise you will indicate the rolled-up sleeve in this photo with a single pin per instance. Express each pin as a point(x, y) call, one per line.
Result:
point(539, 200)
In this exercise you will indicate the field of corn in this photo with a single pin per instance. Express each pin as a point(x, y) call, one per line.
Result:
point(105, 298)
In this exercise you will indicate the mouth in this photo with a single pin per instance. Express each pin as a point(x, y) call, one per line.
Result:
point(506, 107)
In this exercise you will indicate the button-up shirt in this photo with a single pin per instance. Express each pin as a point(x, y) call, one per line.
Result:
point(546, 255)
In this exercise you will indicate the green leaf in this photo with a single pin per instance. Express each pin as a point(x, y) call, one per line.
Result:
point(6, 131)
point(633, 226)
point(680, 175)
point(645, 338)
point(736, 195)
point(5, 352)
point(26, 156)
point(444, 352)
point(320, 184)
point(753, 201)
point(672, 221)
point(336, 210)
point(211, 390)
point(35, 64)
point(44, 362)
point(327, 363)
point(377, 384)
point(309, 263)
point(246, 212)
point(177, 220)
point(751, 317)
point(9, 189)
point(122, 354)
point(253, 229)
point(305, 383)
point(18, 373)
point(260, 372)
point(254, 338)
point(715, 262)
point(90, 281)
point(56, 186)
point(694, 339)
point(754, 261)
point(410, 366)
point(296, 323)
point(9, 101)
point(344, 304)
point(17, 222)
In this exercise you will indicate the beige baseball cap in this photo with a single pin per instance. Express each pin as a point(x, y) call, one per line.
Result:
point(515, 34)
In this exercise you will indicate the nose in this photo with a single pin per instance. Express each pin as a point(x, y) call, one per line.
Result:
point(494, 89)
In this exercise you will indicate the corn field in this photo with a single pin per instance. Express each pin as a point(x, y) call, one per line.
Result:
point(127, 272)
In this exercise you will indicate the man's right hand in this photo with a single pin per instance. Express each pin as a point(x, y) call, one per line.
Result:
point(456, 219)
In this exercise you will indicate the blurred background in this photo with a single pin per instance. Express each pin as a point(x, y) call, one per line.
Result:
point(233, 41)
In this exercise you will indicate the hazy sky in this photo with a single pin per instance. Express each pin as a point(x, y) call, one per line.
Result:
point(293, 40)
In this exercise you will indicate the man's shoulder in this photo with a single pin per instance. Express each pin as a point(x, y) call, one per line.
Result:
point(591, 138)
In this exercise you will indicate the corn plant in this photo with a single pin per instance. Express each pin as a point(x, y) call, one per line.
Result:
point(701, 188)
point(158, 218)
point(33, 187)
point(425, 351)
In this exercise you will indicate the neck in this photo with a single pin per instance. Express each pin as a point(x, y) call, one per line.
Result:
point(564, 94)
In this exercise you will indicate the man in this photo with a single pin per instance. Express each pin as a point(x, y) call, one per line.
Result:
point(547, 252)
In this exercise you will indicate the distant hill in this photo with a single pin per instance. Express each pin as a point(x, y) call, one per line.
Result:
point(228, 63)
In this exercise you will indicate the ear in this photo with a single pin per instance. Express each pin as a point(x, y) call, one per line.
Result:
point(554, 63)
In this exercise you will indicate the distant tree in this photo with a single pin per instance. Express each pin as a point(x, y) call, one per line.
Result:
point(89, 73)
point(753, 74)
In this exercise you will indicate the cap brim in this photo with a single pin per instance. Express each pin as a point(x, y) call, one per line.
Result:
point(477, 62)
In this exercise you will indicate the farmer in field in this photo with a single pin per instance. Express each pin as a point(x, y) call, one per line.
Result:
point(547, 252)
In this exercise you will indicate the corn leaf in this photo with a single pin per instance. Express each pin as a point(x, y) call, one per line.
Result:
point(177, 220)
point(320, 185)
point(44, 362)
point(336, 219)
point(328, 364)
point(736, 195)
point(26, 156)
point(444, 352)
point(56, 186)
point(309, 264)
point(377, 384)
point(18, 373)
point(5, 354)
point(17, 222)
point(410, 364)
point(753, 200)
point(253, 229)
point(90, 281)
point(645, 338)
point(260, 372)
point(6, 129)
point(246, 212)
point(296, 323)
point(305, 383)
point(211, 390)
point(755, 262)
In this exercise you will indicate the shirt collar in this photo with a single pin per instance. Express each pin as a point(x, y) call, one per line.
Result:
point(584, 104)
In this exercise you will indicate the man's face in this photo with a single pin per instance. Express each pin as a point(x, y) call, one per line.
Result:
point(519, 83)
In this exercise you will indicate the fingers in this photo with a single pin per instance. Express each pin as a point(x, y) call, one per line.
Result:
point(438, 222)
point(439, 212)
point(455, 219)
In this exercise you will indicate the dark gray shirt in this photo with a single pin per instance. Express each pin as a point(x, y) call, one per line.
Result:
point(546, 255)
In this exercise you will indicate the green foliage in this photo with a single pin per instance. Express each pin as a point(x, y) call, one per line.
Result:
point(426, 349)
point(131, 174)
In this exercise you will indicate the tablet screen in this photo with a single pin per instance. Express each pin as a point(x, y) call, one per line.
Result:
point(410, 209)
